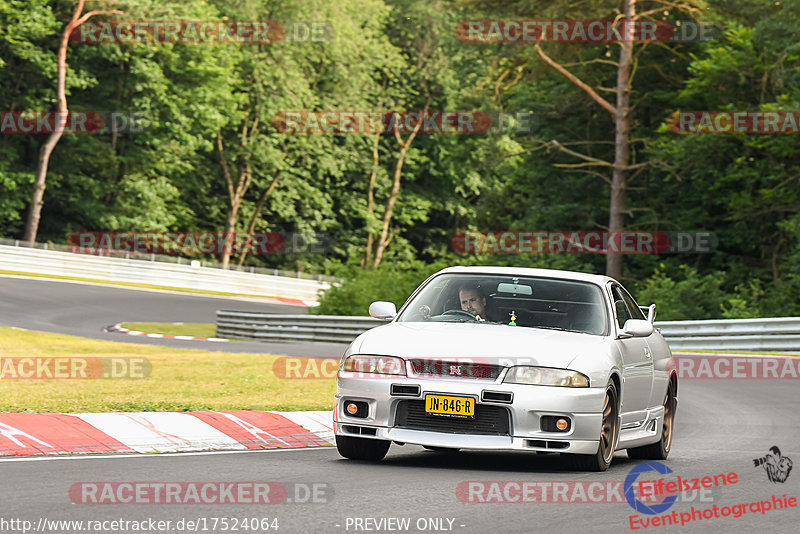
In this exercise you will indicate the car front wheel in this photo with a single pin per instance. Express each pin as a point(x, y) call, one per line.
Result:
point(362, 448)
point(609, 431)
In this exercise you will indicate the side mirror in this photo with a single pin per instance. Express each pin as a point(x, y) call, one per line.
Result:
point(649, 312)
point(637, 328)
point(382, 310)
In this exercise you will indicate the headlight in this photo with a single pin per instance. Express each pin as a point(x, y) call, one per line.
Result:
point(546, 376)
point(378, 365)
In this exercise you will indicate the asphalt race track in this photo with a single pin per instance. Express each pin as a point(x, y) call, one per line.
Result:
point(721, 427)
point(86, 309)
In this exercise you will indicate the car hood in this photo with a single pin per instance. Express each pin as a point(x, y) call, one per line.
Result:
point(489, 343)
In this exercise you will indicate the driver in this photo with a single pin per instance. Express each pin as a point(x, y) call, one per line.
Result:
point(472, 300)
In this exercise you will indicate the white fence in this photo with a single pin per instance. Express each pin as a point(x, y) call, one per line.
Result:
point(32, 260)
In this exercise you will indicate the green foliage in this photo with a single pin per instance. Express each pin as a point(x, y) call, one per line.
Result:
point(400, 55)
point(743, 304)
point(684, 297)
point(392, 282)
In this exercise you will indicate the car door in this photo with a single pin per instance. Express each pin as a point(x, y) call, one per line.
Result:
point(637, 368)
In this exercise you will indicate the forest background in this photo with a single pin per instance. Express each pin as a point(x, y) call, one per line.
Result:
point(213, 159)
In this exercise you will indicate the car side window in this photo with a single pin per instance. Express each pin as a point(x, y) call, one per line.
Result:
point(620, 307)
point(635, 311)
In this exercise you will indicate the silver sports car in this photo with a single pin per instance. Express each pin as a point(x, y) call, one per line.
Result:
point(504, 358)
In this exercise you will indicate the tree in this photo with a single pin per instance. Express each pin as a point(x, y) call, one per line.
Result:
point(621, 166)
point(422, 30)
point(26, 64)
point(293, 171)
point(35, 208)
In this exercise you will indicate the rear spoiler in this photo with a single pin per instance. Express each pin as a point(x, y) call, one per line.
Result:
point(650, 312)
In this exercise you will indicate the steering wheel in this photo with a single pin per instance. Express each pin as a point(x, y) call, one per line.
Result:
point(460, 312)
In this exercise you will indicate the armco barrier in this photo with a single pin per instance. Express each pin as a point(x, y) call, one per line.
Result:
point(729, 334)
point(773, 333)
point(268, 326)
point(31, 260)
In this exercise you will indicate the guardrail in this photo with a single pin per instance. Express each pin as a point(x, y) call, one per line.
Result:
point(277, 327)
point(773, 333)
point(781, 333)
point(191, 276)
point(163, 258)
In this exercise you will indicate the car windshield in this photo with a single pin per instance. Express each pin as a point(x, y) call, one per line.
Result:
point(532, 302)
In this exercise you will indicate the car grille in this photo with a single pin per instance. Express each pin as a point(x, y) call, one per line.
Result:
point(455, 369)
point(488, 419)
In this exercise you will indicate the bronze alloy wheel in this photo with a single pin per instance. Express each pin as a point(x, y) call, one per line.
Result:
point(609, 432)
point(669, 417)
point(610, 428)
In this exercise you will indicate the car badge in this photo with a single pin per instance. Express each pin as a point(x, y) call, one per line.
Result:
point(455, 370)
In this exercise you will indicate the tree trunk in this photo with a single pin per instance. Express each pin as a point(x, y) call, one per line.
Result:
point(616, 206)
point(236, 191)
point(37, 198)
point(230, 228)
point(254, 219)
point(233, 202)
point(387, 214)
point(371, 199)
point(383, 240)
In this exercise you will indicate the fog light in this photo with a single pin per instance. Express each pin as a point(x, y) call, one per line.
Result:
point(354, 408)
point(562, 424)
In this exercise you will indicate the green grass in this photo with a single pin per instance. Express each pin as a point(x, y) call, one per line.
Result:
point(175, 329)
point(181, 380)
point(129, 284)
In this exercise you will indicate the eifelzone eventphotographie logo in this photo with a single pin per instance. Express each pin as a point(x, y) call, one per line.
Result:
point(777, 467)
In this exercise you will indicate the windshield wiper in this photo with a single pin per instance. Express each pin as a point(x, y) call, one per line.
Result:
point(557, 328)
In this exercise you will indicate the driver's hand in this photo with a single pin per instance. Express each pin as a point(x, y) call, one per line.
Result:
point(478, 318)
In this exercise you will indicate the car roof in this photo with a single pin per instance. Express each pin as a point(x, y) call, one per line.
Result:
point(598, 279)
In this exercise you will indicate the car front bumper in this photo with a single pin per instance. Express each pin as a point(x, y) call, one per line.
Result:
point(582, 406)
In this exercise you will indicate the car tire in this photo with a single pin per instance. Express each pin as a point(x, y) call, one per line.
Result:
point(609, 433)
point(440, 449)
point(362, 448)
point(660, 449)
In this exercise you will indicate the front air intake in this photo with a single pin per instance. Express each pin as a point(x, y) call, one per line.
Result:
point(362, 430)
point(542, 444)
point(497, 396)
point(403, 390)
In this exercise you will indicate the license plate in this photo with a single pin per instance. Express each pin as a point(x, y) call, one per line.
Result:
point(450, 406)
